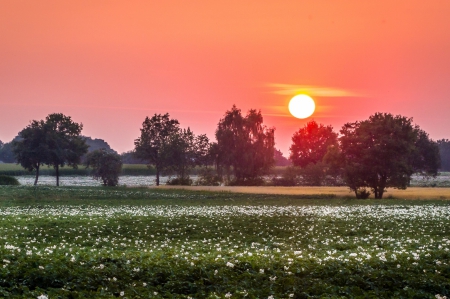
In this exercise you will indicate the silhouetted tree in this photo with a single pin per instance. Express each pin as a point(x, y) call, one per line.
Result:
point(244, 145)
point(155, 136)
point(30, 149)
point(383, 152)
point(310, 144)
point(106, 165)
point(64, 143)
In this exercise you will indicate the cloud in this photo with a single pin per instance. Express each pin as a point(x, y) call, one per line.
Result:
point(319, 91)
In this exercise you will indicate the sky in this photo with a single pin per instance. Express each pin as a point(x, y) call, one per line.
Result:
point(109, 64)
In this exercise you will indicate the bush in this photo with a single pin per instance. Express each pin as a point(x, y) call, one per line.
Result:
point(208, 177)
point(105, 166)
point(288, 178)
point(8, 180)
point(180, 181)
point(362, 193)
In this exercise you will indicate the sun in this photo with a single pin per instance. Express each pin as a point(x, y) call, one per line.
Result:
point(302, 106)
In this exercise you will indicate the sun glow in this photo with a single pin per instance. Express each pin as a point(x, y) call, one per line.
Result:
point(302, 106)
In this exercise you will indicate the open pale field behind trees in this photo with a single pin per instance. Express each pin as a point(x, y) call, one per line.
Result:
point(343, 192)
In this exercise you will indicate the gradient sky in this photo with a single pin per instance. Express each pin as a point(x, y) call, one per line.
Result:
point(109, 64)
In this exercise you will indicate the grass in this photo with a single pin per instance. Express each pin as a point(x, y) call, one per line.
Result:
point(80, 242)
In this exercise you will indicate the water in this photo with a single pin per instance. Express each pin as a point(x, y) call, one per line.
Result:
point(133, 181)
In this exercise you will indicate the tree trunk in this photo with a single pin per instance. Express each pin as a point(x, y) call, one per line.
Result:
point(37, 175)
point(57, 175)
point(157, 176)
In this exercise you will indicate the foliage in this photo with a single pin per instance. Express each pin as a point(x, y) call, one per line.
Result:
point(8, 180)
point(289, 177)
point(310, 144)
point(184, 150)
point(63, 141)
point(155, 136)
point(444, 151)
point(280, 160)
point(244, 146)
point(186, 181)
point(208, 177)
point(31, 149)
point(382, 152)
point(180, 244)
point(55, 141)
point(105, 165)
point(6, 153)
point(130, 158)
point(95, 144)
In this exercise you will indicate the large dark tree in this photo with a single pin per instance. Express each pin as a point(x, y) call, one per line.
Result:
point(383, 152)
point(30, 149)
point(156, 134)
point(310, 144)
point(55, 141)
point(244, 145)
point(64, 144)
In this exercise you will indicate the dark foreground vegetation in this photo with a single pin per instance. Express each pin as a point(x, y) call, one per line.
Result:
point(152, 243)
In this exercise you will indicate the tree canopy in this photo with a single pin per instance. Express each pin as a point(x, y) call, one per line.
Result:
point(244, 145)
point(310, 144)
point(30, 149)
point(156, 134)
point(55, 141)
point(106, 165)
point(383, 152)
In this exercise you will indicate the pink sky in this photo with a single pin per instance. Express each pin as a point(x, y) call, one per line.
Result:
point(109, 64)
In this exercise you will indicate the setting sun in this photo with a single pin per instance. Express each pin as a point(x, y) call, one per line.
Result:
point(302, 106)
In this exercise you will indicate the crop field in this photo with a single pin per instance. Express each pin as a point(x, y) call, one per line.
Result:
point(93, 242)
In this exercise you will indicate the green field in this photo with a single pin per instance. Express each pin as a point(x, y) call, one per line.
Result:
point(75, 242)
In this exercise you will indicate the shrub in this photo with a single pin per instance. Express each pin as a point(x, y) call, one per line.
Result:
point(208, 177)
point(105, 166)
point(186, 181)
point(8, 180)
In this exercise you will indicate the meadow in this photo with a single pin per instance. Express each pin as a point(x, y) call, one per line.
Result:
point(93, 242)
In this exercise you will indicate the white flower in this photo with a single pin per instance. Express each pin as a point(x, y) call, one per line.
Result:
point(228, 295)
point(122, 293)
point(40, 267)
point(272, 278)
point(291, 295)
point(144, 284)
point(270, 297)
point(231, 265)
point(261, 271)
point(42, 297)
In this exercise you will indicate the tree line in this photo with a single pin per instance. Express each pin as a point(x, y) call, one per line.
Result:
point(368, 156)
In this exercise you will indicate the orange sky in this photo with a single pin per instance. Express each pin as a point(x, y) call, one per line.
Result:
point(108, 64)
